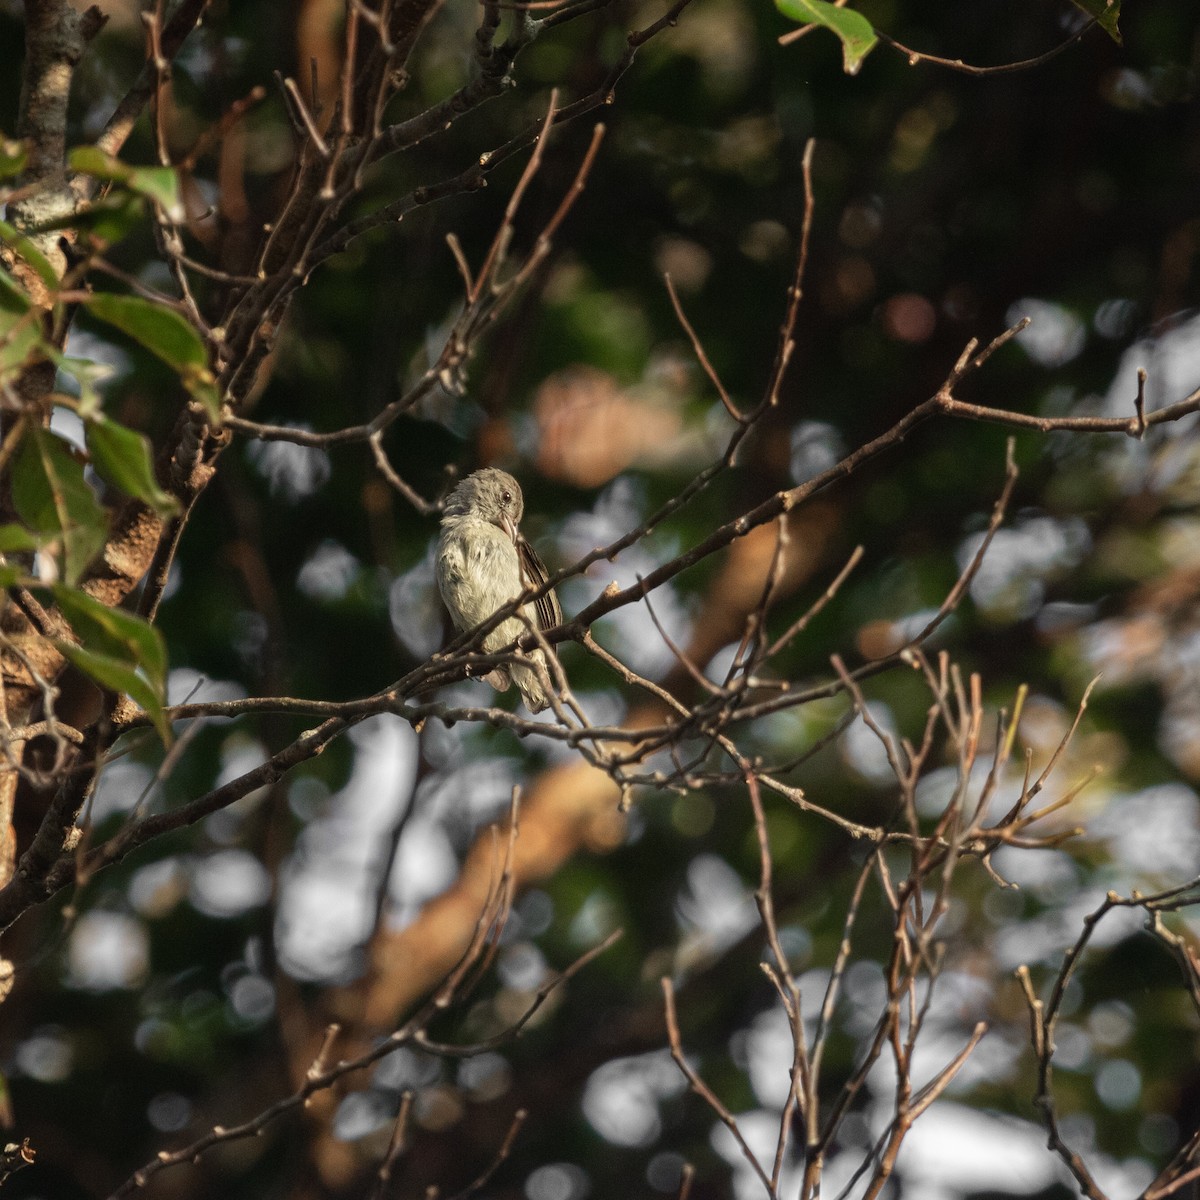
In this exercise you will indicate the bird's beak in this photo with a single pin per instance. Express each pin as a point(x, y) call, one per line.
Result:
point(509, 526)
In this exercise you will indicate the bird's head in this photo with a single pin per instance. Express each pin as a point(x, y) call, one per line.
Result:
point(489, 495)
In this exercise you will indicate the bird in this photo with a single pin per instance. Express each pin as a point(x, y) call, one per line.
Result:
point(483, 562)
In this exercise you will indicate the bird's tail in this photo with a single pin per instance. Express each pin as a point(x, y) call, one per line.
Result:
point(529, 683)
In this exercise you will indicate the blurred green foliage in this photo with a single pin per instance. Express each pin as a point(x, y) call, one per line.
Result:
point(947, 206)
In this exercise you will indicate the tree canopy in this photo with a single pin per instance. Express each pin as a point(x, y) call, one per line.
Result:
point(847, 356)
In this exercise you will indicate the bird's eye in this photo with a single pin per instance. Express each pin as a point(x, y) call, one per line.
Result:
point(507, 497)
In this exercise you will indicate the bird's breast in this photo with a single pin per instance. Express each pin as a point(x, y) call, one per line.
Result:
point(477, 571)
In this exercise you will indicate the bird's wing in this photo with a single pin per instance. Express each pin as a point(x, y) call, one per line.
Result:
point(533, 570)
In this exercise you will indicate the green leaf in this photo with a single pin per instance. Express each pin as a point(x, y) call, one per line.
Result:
point(30, 253)
point(161, 330)
point(203, 388)
point(13, 156)
point(122, 457)
point(109, 219)
point(16, 538)
point(10, 576)
point(1106, 12)
point(165, 334)
point(51, 496)
point(8, 1117)
point(20, 328)
point(118, 676)
point(118, 650)
point(87, 374)
point(856, 32)
point(21, 340)
point(114, 632)
point(160, 184)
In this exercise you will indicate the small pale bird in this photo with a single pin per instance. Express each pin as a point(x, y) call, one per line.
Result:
point(483, 562)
